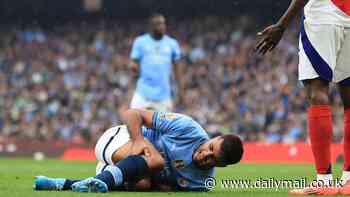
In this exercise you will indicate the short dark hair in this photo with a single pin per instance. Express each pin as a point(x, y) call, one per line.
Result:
point(154, 15)
point(231, 149)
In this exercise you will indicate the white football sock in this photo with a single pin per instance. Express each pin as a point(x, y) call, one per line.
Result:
point(326, 179)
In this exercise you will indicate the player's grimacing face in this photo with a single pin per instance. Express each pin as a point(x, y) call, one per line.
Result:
point(158, 25)
point(208, 155)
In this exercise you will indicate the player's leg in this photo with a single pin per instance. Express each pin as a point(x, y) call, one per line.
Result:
point(320, 132)
point(62, 184)
point(344, 91)
point(320, 126)
point(118, 155)
point(343, 76)
point(112, 146)
point(55, 184)
point(118, 149)
point(318, 46)
point(141, 185)
point(100, 167)
point(345, 95)
point(130, 169)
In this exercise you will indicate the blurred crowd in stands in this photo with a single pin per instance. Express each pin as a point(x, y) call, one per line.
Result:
point(72, 81)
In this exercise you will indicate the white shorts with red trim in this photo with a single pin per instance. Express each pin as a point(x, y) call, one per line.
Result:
point(324, 51)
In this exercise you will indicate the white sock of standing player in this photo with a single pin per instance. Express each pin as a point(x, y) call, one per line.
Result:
point(324, 180)
point(345, 177)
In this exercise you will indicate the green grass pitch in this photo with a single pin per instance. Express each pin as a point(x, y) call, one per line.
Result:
point(17, 175)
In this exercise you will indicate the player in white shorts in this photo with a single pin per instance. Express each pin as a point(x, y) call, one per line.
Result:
point(156, 150)
point(324, 43)
point(140, 102)
point(154, 55)
point(108, 143)
point(324, 57)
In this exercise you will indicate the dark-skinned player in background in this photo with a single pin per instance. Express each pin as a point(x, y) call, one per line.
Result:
point(154, 55)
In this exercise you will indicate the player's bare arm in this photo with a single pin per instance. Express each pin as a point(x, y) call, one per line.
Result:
point(135, 119)
point(272, 34)
point(134, 66)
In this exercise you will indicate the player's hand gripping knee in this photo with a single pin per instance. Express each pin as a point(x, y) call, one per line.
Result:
point(138, 146)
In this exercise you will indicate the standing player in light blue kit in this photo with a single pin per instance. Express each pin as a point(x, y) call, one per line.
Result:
point(180, 156)
point(153, 56)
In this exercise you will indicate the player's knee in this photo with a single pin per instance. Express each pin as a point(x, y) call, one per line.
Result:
point(153, 158)
point(155, 162)
point(317, 91)
point(318, 97)
point(160, 163)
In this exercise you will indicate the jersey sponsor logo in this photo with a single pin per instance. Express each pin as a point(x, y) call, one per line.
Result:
point(178, 164)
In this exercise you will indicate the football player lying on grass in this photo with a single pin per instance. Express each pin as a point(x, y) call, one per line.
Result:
point(153, 151)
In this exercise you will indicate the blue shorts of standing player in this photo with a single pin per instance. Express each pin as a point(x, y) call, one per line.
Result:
point(153, 151)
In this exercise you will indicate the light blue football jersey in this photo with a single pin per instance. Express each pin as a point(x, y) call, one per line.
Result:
point(176, 137)
point(155, 59)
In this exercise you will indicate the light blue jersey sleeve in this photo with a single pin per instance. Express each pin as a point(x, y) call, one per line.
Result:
point(165, 122)
point(136, 52)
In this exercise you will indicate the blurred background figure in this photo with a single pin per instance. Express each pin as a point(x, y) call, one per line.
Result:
point(153, 55)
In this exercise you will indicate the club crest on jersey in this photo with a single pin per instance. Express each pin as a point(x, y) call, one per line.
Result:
point(182, 182)
point(178, 164)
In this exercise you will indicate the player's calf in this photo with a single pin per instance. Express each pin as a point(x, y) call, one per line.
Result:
point(130, 169)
